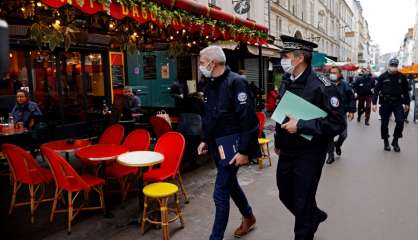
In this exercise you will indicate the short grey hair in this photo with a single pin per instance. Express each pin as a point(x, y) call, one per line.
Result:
point(214, 53)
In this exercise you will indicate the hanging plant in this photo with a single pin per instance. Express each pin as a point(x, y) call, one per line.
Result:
point(53, 35)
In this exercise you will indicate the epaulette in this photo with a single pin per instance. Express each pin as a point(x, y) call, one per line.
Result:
point(324, 80)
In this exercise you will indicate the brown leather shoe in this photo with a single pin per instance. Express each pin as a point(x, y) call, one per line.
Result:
point(247, 224)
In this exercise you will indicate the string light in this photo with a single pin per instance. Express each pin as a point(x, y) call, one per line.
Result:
point(135, 34)
point(57, 22)
point(171, 37)
point(111, 25)
point(194, 42)
point(11, 55)
point(23, 9)
point(39, 4)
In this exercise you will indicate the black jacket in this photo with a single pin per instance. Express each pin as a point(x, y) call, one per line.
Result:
point(364, 85)
point(347, 96)
point(392, 89)
point(229, 109)
point(322, 93)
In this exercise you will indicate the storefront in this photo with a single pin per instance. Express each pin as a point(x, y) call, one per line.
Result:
point(74, 56)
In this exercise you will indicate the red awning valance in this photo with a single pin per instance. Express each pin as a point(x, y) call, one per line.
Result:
point(142, 14)
point(205, 10)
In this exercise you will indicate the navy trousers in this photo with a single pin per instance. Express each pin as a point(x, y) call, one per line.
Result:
point(226, 187)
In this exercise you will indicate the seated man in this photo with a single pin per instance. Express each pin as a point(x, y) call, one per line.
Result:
point(25, 111)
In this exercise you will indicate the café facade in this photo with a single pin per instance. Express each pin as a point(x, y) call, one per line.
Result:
point(74, 56)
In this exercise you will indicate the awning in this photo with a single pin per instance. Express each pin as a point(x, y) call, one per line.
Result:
point(268, 50)
point(318, 59)
point(230, 45)
point(189, 15)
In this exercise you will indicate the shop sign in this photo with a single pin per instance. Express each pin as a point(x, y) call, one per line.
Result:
point(165, 71)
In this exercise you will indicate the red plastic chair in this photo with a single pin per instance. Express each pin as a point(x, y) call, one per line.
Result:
point(137, 140)
point(25, 170)
point(67, 179)
point(112, 135)
point(261, 123)
point(160, 126)
point(171, 145)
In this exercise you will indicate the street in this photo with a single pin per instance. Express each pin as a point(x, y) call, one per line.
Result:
point(368, 194)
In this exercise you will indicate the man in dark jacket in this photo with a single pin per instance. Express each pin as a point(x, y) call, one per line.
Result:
point(349, 104)
point(392, 90)
point(228, 109)
point(364, 87)
point(301, 161)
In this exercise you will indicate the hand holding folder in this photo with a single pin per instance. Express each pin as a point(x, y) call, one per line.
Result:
point(297, 107)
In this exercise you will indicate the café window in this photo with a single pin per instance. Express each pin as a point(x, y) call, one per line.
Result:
point(45, 86)
point(17, 77)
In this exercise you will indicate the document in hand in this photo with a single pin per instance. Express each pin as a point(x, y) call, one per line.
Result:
point(227, 147)
point(297, 107)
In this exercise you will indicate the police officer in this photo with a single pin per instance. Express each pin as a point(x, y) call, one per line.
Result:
point(392, 92)
point(300, 160)
point(228, 109)
point(364, 87)
point(349, 104)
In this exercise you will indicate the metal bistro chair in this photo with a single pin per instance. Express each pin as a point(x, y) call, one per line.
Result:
point(263, 142)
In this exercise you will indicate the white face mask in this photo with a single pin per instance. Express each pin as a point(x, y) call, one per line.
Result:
point(393, 69)
point(205, 72)
point(287, 65)
point(333, 77)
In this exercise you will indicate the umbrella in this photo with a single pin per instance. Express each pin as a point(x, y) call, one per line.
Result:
point(350, 67)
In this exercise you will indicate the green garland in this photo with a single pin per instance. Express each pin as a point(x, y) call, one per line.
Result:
point(166, 16)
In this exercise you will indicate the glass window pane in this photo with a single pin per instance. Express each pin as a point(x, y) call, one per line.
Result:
point(45, 86)
point(95, 85)
point(72, 88)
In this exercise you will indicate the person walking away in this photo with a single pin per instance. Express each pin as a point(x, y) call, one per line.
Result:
point(228, 109)
point(349, 104)
point(364, 87)
point(393, 95)
point(301, 161)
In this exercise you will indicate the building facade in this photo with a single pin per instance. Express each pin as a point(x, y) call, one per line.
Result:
point(406, 52)
point(337, 26)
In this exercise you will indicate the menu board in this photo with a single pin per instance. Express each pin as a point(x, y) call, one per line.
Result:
point(150, 67)
point(117, 69)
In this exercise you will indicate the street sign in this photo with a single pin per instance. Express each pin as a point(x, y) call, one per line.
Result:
point(350, 34)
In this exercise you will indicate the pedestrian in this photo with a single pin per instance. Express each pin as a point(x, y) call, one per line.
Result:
point(411, 83)
point(364, 87)
point(25, 111)
point(228, 109)
point(393, 95)
point(300, 160)
point(349, 104)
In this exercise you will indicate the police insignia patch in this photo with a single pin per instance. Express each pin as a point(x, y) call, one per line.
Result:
point(335, 102)
point(242, 97)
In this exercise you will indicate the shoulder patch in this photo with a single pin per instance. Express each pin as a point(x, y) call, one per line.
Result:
point(325, 80)
point(335, 102)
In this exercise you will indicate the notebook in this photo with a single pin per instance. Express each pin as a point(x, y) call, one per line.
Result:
point(297, 107)
point(227, 147)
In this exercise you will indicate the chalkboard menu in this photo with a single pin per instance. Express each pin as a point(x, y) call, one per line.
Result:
point(150, 67)
point(117, 69)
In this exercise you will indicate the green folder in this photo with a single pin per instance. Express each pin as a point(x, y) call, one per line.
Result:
point(297, 107)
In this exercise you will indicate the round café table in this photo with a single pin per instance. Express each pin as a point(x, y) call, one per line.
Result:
point(102, 153)
point(140, 159)
point(64, 146)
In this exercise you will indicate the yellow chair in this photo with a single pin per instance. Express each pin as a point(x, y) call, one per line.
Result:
point(265, 152)
point(161, 192)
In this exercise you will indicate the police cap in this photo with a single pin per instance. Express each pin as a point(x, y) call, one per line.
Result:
point(292, 44)
point(394, 62)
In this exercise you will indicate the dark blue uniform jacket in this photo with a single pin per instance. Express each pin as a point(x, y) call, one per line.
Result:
point(229, 109)
point(323, 94)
